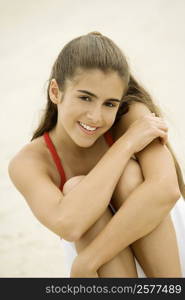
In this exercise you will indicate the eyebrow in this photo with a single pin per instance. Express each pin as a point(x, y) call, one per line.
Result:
point(93, 95)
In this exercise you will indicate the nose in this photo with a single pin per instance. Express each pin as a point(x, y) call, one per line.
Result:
point(94, 115)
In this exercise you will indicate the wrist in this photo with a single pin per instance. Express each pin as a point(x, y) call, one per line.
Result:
point(82, 267)
point(127, 143)
point(87, 261)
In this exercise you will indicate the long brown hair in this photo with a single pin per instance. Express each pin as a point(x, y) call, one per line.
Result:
point(96, 51)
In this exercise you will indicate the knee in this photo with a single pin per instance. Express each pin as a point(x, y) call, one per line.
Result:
point(71, 183)
point(133, 175)
point(129, 180)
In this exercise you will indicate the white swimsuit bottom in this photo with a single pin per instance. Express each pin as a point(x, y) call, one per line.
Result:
point(178, 217)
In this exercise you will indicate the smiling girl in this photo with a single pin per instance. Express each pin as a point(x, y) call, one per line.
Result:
point(99, 171)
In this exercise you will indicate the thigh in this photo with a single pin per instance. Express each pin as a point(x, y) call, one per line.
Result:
point(131, 177)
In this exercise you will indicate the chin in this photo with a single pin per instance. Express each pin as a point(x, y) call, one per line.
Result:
point(85, 146)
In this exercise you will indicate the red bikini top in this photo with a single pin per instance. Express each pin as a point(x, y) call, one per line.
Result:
point(56, 158)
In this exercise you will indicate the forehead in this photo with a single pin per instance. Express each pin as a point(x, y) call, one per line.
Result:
point(98, 80)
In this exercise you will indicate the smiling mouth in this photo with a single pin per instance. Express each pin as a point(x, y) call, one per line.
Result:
point(89, 132)
point(82, 123)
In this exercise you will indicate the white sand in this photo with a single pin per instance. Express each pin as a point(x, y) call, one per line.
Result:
point(152, 35)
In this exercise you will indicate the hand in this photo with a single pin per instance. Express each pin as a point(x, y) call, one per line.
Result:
point(144, 130)
point(81, 268)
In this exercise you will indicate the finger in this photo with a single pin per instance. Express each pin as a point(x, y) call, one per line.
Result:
point(164, 137)
point(162, 124)
point(158, 119)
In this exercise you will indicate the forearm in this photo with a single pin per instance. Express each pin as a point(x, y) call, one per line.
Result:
point(141, 212)
point(85, 203)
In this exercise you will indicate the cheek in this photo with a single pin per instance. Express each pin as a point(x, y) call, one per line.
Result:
point(112, 118)
point(68, 114)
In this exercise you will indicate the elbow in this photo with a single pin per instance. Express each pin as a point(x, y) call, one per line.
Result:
point(67, 231)
point(168, 193)
point(175, 194)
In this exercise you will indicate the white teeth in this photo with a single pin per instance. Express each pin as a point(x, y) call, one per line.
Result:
point(87, 127)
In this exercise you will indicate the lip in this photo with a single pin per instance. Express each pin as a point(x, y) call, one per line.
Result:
point(90, 125)
point(87, 131)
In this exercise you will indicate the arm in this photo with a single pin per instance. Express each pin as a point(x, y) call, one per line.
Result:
point(87, 201)
point(68, 215)
point(145, 207)
point(137, 217)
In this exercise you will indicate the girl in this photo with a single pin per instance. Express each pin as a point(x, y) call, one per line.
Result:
point(98, 170)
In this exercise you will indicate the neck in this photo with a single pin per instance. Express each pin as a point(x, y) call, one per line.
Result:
point(63, 142)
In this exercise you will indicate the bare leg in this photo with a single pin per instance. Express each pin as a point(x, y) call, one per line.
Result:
point(122, 265)
point(151, 250)
point(156, 252)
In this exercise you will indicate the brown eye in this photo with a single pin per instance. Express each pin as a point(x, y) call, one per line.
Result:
point(110, 104)
point(84, 98)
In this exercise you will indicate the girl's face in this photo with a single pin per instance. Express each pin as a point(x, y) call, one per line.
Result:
point(92, 99)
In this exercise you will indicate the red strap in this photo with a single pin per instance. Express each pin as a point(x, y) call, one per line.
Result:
point(56, 158)
point(108, 138)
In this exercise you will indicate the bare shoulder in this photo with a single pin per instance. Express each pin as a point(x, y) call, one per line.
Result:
point(154, 155)
point(136, 111)
point(28, 172)
point(27, 165)
point(33, 153)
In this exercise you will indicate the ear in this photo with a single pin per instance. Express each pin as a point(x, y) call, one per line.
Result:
point(54, 92)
